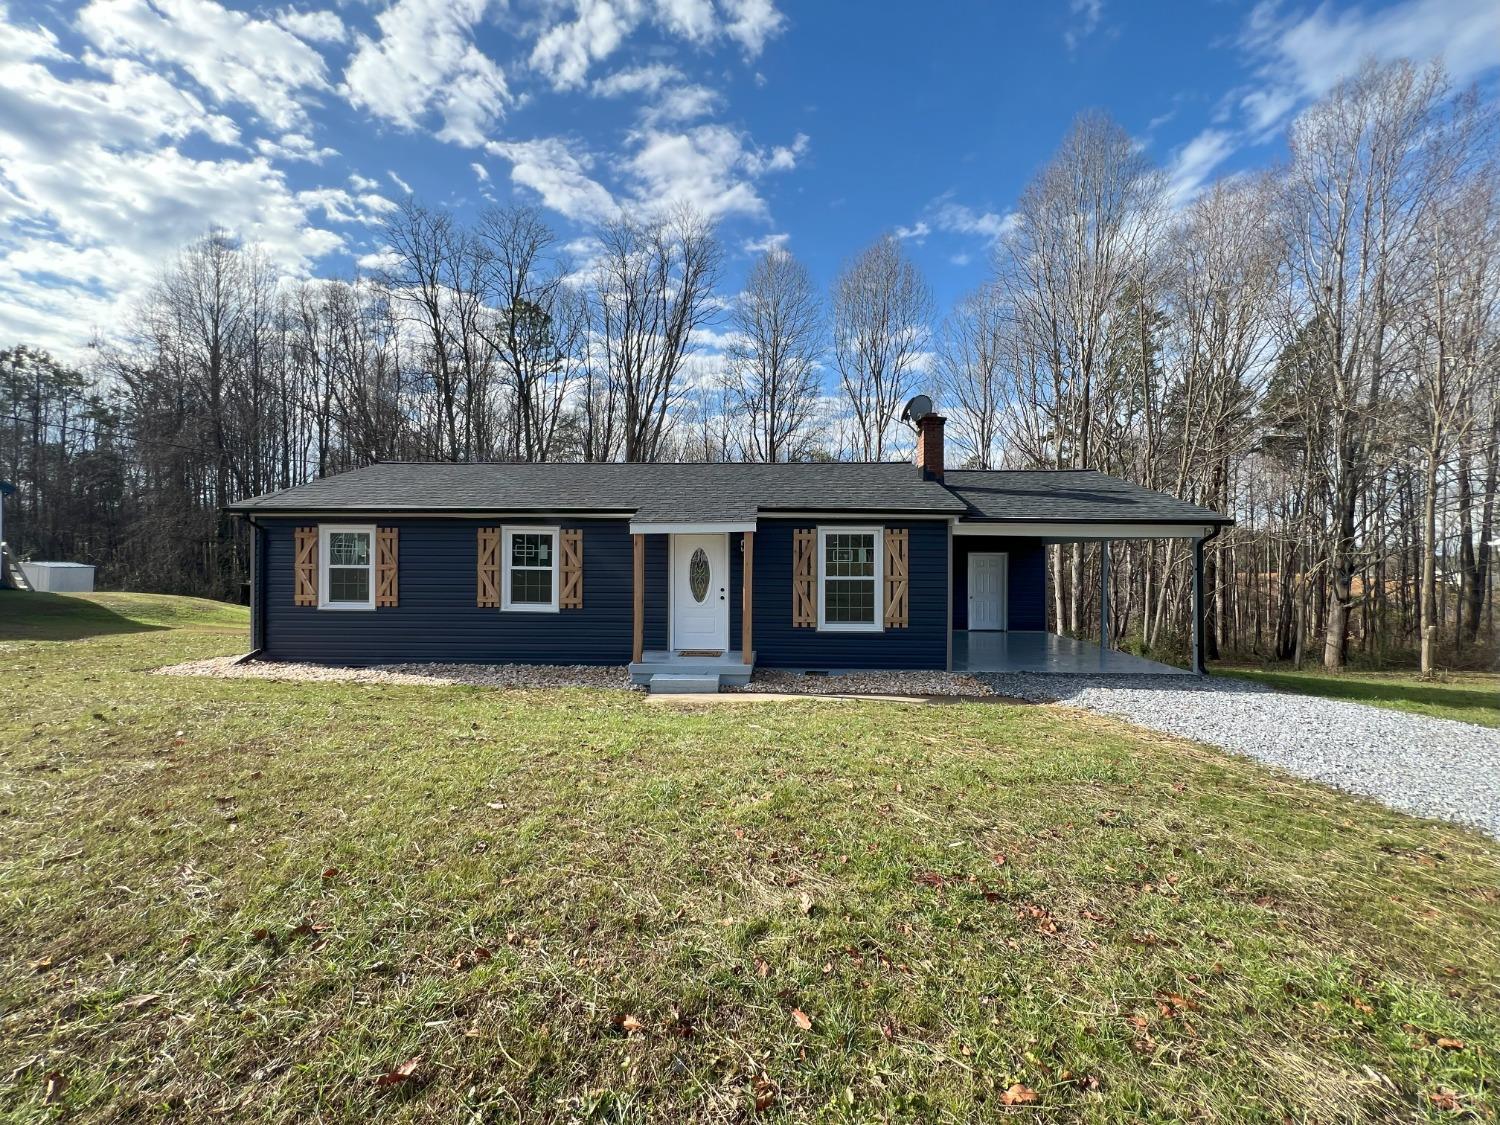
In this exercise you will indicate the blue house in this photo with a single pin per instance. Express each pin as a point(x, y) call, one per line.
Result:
point(690, 570)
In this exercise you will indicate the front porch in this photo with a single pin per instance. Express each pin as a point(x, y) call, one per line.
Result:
point(1035, 651)
point(664, 669)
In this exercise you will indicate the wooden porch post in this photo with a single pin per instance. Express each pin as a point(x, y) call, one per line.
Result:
point(638, 640)
point(747, 598)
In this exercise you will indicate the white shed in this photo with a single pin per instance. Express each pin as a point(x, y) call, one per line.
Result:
point(60, 577)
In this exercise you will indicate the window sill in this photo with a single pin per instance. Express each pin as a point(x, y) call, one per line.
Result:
point(348, 608)
point(528, 609)
point(851, 628)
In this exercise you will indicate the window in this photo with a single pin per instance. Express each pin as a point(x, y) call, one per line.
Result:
point(347, 560)
point(849, 564)
point(530, 579)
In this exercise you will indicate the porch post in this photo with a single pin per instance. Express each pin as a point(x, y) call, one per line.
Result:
point(747, 597)
point(1198, 665)
point(1104, 637)
point(638, 646)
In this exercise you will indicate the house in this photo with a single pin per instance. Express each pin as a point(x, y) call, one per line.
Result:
point(700, 571)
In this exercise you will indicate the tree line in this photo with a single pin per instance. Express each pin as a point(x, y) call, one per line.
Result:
point(1312, 350)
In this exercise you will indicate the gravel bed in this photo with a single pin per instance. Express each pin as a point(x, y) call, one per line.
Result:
point(477, 675)
point(864, 683)
point(1432, 767)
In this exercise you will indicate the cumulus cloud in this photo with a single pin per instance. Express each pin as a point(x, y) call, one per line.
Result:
point(1195, 161)
point(559, 173)
point(424, 60)
point(316, 27)
point(233, 57)
point(1084, 17)
point(709, 167)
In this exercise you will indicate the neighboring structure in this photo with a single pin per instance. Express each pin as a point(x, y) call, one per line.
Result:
point(59, 577)
point(11, 575)
point(691, 571)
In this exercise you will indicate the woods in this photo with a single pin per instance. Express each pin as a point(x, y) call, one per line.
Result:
point(1313, 350)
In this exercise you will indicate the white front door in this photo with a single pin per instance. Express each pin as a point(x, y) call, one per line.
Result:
point(700, 592)
point(987, 575)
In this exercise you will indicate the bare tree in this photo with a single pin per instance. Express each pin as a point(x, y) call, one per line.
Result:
point(1357, 193)
point(882, 309)
point(974, 350)
point(653, 289)
point(539, 326)
point(772, 377)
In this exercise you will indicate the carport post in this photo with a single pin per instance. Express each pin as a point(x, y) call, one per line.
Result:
point(1198, 665)
point(1104, 637)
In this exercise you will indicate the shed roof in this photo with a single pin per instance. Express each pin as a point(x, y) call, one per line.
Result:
point(1068, 496)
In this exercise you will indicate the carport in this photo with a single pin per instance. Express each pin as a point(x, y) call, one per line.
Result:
point(999, 585)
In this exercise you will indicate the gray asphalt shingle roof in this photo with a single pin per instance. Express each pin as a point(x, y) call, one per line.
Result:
point(653, 493)
point(729, 492)
point(1069, 495)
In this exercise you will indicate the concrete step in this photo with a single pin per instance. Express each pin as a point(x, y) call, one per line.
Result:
point(682, 683)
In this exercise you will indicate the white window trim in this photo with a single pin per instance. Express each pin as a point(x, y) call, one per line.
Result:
point(506, 535)
point(878, 624)
point(324, 531)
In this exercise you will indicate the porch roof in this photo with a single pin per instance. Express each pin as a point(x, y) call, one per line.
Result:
point(1068, 496)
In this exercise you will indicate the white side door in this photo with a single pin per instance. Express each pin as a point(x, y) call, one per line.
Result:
point(700, 592)
point(987, 580)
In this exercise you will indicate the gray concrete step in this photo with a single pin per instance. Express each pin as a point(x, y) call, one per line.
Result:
point(682, 683)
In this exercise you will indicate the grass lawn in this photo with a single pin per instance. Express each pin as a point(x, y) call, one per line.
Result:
point(251, 900)
point(1470, 697)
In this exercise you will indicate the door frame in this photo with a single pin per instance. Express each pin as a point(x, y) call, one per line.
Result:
point(1003, 593)
point(672, 540)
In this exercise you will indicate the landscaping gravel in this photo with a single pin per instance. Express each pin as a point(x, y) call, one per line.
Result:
point(910, 682)
point(1431, 767)
point(477, 675)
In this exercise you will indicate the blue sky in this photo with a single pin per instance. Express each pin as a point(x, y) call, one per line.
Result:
point(128, 126)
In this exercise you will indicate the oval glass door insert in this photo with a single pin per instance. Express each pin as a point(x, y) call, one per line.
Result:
point(698, 575)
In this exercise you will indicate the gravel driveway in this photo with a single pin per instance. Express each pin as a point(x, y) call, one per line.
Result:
point(1432, 767)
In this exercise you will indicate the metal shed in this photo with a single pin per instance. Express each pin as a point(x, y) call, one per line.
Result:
point(60, 577)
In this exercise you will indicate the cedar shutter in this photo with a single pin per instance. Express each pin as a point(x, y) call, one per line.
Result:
point(571, 594)
point(804, 578)
point(897, 581)
point(488, 588)
point(305, 567)
point(385, 567)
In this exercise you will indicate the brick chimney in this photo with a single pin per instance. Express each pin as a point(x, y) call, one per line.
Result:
point(930, 447)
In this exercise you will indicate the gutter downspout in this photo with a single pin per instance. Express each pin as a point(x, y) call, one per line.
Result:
point(1199, 666)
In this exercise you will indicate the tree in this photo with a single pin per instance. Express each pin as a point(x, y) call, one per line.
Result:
point(973, 351)
point(881, 312)
point(653, 289)
point(773, 373)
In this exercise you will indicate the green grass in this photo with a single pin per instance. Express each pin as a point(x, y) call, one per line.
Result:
point(1470, 697)
point(247, 900)
point(59, 617)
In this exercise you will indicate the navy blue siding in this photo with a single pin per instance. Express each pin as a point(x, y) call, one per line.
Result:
point(437, 618)
point(922, 644)
point(1026, 588)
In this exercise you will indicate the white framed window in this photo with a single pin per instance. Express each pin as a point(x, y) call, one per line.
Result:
point(850, 561)
point(346, 566)
point(529, 582)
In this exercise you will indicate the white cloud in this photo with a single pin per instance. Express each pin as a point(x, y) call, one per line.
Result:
point(566, 51)
point(709, 167)
point(559, 173)
point(316, 27)
point(426, 61)
point(768, 243)
point(95, 191)
point(294, 146)
point(398, 181)
point(637, 80)
point(232, 56)
point(1195, 162)
point(383, 259)
point(364, 183)
point(1084, 21)
point(917, 232)
point(1304, 55)
point(480, 171)
point(752, 22)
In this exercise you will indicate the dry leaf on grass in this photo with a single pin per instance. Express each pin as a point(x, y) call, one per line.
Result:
point(144, 1000)
point(805, 903)
point(1451, 1044)
point(801, 1019)
point(632, 1026)
point(401, 1073)
point(1018, 1094)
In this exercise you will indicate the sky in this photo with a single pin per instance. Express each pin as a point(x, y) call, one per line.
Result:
point(129, 127)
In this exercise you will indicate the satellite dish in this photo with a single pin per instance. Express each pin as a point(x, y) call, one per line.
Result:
point(917, 408)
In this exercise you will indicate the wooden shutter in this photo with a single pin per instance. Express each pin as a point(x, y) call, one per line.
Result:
point(305, 567)
point(571, 594)
point(385, 567)
point(805, 578)
point(489, 568)
point(897, 581)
